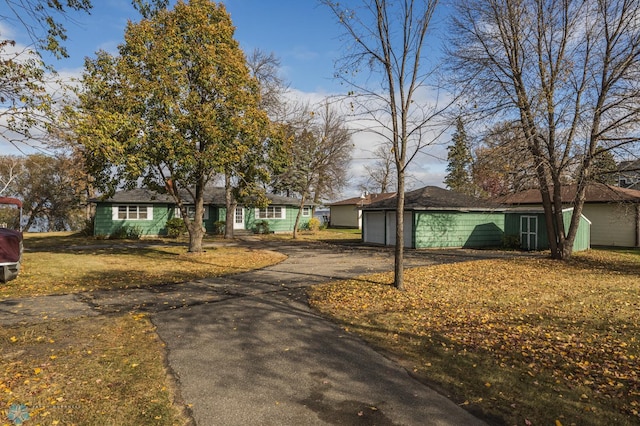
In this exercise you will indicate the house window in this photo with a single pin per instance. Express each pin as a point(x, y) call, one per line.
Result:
point(306, 211)
point(132, 212)
point(270, 212)
point(191, 212)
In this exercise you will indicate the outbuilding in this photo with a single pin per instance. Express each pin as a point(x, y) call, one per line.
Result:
point(435, 218)
point(348, 213)
point(614, 212)
point(527, 225)
point(439, 218)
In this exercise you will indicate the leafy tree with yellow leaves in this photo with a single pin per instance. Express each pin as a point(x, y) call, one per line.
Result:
point(174, 109)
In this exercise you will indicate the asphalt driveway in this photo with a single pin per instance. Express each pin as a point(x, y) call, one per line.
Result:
point(247, 350)
point(260, 356)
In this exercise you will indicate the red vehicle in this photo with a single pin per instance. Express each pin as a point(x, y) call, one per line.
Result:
point(10, 238)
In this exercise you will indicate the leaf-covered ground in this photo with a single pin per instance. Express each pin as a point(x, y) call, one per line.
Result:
point(106, 369)
point(87, 371)
point(57, 270)
point(522, 341)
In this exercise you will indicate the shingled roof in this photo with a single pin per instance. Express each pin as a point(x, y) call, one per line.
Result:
point(435, 198)
point(595, 193)
point(364, 201)
point(212, 195)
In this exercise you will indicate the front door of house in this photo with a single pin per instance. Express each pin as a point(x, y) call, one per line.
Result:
point(238, 218)
point(529, 232)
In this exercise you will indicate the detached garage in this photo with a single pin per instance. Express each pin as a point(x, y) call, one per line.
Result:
point(435, 218)
point(438, 218)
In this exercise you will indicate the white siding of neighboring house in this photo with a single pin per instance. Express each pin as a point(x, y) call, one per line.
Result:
point(347, 216)
point(374, 228)
point(612, 224)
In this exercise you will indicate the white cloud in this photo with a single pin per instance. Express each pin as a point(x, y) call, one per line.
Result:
point(428, 166)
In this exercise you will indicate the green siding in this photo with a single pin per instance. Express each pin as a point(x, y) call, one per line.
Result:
point(513, 223)
point(458, 229)
point(216, 214)
point(583, 237)
point(105, 225)
point(277, 225)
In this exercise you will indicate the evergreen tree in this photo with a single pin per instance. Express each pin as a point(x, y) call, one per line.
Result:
point(458, 176)
point(604, 167)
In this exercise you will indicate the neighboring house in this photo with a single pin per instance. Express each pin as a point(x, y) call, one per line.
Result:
point(439, 218)
point(348, 213)
point(149, 211)
point(629, 174)
point(614, 212)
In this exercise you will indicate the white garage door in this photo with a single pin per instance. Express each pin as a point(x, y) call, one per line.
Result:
point(391, 229)
point(374, 227)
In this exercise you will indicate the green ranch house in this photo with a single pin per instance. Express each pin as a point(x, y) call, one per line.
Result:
point(149, 212)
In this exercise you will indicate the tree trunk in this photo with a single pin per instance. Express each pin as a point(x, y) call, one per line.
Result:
point(578, 205)
point(230, 205)
point(196, 234)
point(398, 276)
point(196, 231)
point(31, 217)
point(297, 222)
point(637, 225)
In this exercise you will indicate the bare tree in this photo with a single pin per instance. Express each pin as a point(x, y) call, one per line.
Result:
point(388, 40)
point(567, 70)
point(336, 149)
point(11, 167)
point(317, 155)
point(265, 68)
point(380, 176)
point(502, 163)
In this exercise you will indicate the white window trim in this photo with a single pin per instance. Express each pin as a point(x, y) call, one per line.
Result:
point(306, 211)
point(115, 208)
point(178, 214)
point(283, 210)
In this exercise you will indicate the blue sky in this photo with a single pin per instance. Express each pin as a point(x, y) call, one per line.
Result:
point(301, 33)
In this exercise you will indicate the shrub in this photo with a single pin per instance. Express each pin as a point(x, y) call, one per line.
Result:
point(87, 229)
point(219, 226)
point(176, 227)
point(262, 227)
point(511, 242)
point(314, 224)
point(126, 232)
